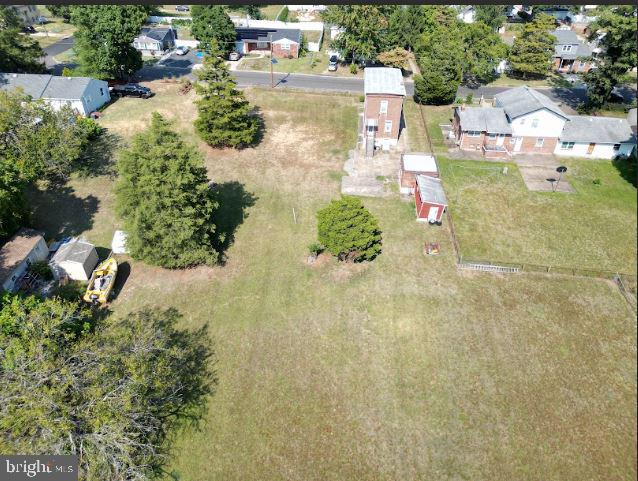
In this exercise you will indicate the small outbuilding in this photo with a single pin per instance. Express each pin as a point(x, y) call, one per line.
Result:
point(429, 198)
point(75, 259)
point(413, 164)
point(118, 244)
point(22, 250)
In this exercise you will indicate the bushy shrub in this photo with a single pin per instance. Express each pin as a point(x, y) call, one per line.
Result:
point(42, 269)
point(354, 68)
point(89, 128)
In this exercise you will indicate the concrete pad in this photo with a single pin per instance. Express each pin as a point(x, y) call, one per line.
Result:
point(538, 179)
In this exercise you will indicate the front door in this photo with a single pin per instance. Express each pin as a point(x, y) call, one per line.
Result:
point(500, 139)
point(517, 144)
point(433, 214)
point(590, 149)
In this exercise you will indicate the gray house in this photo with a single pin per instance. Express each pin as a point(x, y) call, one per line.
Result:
point(82, 94)
point(155, 41)
point(22, 250)
point(570, 52)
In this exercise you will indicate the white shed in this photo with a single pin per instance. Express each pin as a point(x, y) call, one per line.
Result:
point(118, 244)
point(75, 260)
point(22, 250)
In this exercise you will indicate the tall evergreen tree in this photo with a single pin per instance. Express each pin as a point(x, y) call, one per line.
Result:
point(104, 39)
point(531, 54)
point(225, 117)
point(491, 15)
point(18, 53)
point(164, 200)
point(211, 24)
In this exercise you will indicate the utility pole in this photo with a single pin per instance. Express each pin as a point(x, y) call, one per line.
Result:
point(272, 78)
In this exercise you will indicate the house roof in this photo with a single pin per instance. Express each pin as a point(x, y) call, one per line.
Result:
point(416, 162)
point(74, 251)
point(158, 34)
point(524, 100)
point(601, 130)
point(383, 80)
point(268, 34)
point(45, 86)
point(16, 250)
point(484, 119)
point(565, 37)
point(431, 190)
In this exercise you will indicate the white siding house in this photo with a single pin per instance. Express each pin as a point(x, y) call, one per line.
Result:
point(542, 123)
point(82, 94)
point(22, 250)
point(596, 137)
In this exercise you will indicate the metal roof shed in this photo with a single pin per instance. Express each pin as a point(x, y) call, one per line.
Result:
point(430, 199)
point(75, 260)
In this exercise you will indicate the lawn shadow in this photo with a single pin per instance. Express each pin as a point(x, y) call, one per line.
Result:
point(59, 212)
point(628, 168)
point(261, 127)
point(98, 158)
point(123, 273)
point(233, 200)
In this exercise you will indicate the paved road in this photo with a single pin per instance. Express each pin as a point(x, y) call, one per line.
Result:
point(57, 48)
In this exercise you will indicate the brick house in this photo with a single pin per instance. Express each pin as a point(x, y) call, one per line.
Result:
point(383, 108)
point(284, 41)
point(527, 122)
point(570, 53)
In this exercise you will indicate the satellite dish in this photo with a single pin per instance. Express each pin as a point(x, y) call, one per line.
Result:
point(561, 169)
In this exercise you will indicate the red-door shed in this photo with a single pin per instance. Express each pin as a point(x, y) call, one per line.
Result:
point(429, 198)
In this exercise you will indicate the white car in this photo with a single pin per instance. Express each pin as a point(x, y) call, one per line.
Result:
point(234, 56)
point(181, 50)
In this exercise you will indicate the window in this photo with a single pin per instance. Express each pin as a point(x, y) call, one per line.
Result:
point(616, 147)
point(473, 133)
point(383, 107)
point(567, 145)
point(491, 136)
point(540, 141)
point(388, 126)
point(262, 45)
point(534, 123)
point(101, 91)
point(567, 48)
point(285, 46)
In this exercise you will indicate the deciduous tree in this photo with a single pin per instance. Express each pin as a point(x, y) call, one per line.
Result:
point(211, 24)
point(18, 53)
point(440, 62)
point(104, 39)
point(165, 201)
point(13, 209)
point(225, 117)
point(348, 230)
point(491, 15)
point(483, 52)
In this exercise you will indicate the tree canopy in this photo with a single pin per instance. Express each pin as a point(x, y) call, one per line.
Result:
point(18, 53)
point(104, 39)
point(531, 54)
point(491, 15)
point(107, 390)
point(165, 201)
point(482, 53)
point(348, 230)
point(225, 117)
point(211, 24)
point(13, 210)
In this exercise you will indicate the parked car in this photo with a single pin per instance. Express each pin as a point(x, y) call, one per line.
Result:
point(234, 56)
point(131, 90)
point(28, 29)
point(181, 50)
point(333, 63)
point(182, 8)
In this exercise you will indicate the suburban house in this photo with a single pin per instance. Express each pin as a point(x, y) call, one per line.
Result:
point(155, 40)
point(413, 164)
point(570, 52)
point(526, 121)
point(29, 14)
point(82, 94)
point(466, 13)
point(284, 42)
point(429, 199)
point(383, 108)
point(22, 250)
point(75, 260)
point(597, 137)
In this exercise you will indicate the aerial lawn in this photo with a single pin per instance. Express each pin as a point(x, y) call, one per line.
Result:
point(310, 63)
point(402, 368)
point(497, 218)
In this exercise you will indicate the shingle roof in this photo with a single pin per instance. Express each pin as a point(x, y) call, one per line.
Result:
point(431, 190)
point(524, 100)
point(484, 119)
point(74, 251)
point(268, 34)
point(155, 33)
point(383, 80)
point(565, 37)
point(16, 250)
point(569, 37)
point(46, 86)
point(601, 130)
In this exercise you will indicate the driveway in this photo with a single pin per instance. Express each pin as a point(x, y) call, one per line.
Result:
point(56, 49)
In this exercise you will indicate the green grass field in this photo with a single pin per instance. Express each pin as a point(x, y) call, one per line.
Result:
point(403, 368)
point(497, 218)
